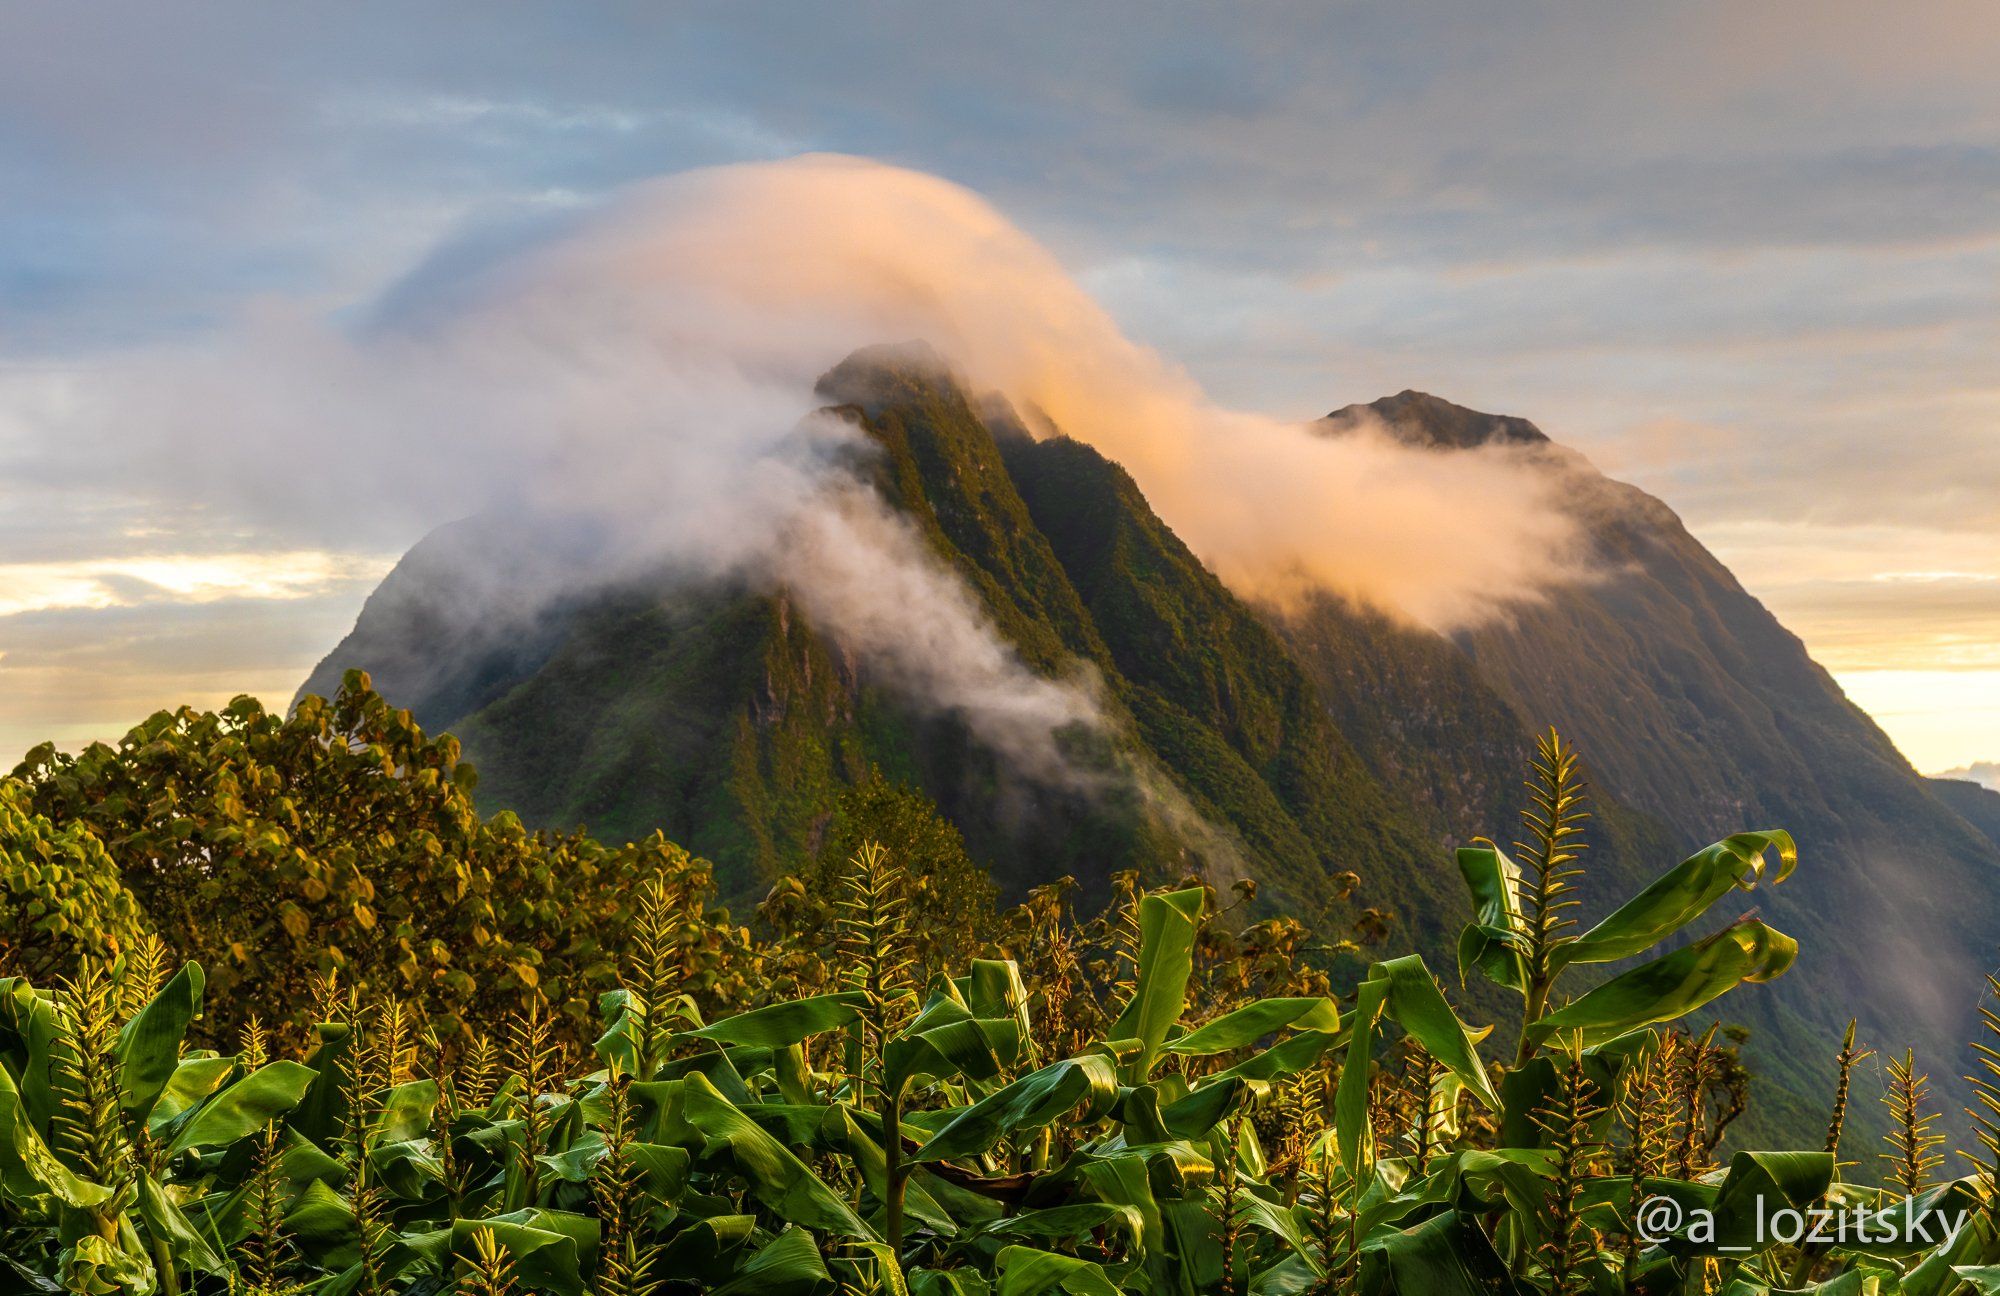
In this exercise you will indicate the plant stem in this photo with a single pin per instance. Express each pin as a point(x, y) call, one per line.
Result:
point(896, 1173)
point(163, 1262)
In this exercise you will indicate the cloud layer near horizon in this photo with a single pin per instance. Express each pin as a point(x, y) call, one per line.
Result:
point(1748, 256)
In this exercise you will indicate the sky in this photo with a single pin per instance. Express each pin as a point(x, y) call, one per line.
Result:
point(1747, 256)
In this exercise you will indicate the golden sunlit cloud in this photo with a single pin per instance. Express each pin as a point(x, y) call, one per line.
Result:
point(186, 578)
point(1940, 719)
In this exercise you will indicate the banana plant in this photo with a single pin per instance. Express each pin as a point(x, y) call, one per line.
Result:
point(1505, 946)
point(1261, 1147)
point(106, 1120)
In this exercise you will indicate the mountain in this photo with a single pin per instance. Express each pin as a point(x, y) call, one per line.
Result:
point(1310, 740)
point(1977, 803)
point(1697, 709)
point(720, 715)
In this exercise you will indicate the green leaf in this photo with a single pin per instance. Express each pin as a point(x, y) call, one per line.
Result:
point(993, 988)
point(783, 1024)
point(974, 1048)
point(1985, 1279)
point(245, 1107)
point(1757, 1186)
point(1403, 990)
point(1682, 894)
point(27, 1167)
point(1206, 1107)
point(550, 1249)
point(1418, 1006)
point(1492, 943)
point(1036, 1099)
point(1167, 927)
point(1063, 1223)
point(1028, 1272)
point(1254, 1021)
point(168, 1226)
point(1445, 1255)
point(1676, 984)
point(782, 1182)
point(787, 1265)
point(149, 1047)
point(193, 1080)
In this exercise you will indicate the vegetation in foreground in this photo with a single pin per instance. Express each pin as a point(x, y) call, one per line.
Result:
point(376, 1071)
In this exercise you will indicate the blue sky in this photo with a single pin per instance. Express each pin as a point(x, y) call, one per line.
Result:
point(1746, 255)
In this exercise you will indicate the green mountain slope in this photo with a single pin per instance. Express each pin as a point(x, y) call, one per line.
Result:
point(722, 717)
point(1304, 743)
point(1976, 803)
point(1699, 710)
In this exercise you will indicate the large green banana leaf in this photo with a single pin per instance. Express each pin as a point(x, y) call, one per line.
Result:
point(1025, 1271)
point(1445, 1255)
point(1254, 1021)
point(783, 1183)
point(1494, 940)
point(1035, 1100)
point(1674, 985)
point(1167, 927)
point(787, 1265)
point(781, 1024)
point(974, 1048)
point(244, 1107)
point(1404, 991)
point(1682, 894)
point(149, 1046)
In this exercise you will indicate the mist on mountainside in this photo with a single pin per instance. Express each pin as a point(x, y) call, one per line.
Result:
point(638, 380)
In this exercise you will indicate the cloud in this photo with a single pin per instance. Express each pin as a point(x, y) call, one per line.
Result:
point(644, 369)
point(184, 578)
point(1772, 220)
point(1984, 773)
point(649, 362)
point(76, 675)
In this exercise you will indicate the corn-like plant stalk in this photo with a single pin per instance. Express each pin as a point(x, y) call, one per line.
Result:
point(1229, 1198)
point(1648, 1117)
point(477, 1074)
point(1422, 1073)
point(1691, 1088)
point(264, 1252)
point(1844, 1063)
point(369, 1065)
point(1550, 869)
point(1913, 1156)
point(1985, 1081)
point(625, 1259)
point(654, 972)
point(878, 953)
point(253, 1045)
point(144, 971)
point(444, 1116)
point(1809, 1252)
point(1568, 1241)
point(1123, 936)
point(84, 1079)
point(328, 996)
point(490, 1271)
point(532, 1053)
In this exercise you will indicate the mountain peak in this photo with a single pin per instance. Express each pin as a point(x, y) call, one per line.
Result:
point(876, 375)
point(1422, 419)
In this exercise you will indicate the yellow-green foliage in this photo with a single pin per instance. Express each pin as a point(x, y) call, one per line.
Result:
point(339, 838)
point(1177, 1095)
point(60, 892)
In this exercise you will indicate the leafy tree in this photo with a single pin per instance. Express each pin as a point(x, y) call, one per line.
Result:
point(344, 839)
point(60, 892)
